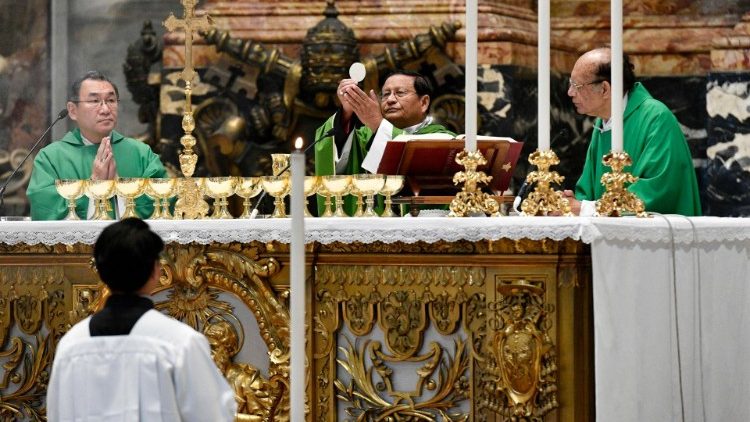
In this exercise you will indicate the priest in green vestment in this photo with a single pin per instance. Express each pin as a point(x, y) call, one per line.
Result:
point(652, 137)
point(353, 140)
point(93, 150)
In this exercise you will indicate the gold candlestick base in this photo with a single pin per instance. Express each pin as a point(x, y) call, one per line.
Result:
point(617, 199)
point(544, 200)
point(471, 199)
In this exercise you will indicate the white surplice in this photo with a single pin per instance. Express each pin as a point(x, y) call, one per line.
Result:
point(161, 371)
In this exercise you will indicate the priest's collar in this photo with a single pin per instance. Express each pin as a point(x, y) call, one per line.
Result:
point(416, 128)
point(75, 137)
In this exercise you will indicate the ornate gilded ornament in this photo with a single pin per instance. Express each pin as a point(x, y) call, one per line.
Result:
point(471, 199)
point(617, 199)
point(442, 383)
point(544, 200)
point(522, 366)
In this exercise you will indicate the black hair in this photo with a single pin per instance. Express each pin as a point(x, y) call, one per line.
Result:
point(125, 254)
point(94, 75)
point(422, 84)
point(604, 72)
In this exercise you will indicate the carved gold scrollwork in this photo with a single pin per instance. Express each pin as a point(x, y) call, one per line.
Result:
point(521, 370)
point(197, 275)
point(359, 314)
point(441, 384)
point(326, 323)
point(403, 319)
point(445, 311)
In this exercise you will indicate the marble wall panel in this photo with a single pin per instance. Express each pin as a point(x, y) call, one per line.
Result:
point(24, 91)
point(99, 34)
point(727, 174)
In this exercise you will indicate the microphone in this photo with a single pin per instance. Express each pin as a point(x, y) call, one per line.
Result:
point(329, 133)
point(61, 115)
point(526, 186)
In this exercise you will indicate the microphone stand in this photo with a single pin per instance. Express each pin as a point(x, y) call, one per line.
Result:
point(61, 115)
point(254, 213)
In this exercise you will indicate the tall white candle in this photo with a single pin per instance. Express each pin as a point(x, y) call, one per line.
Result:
point(617, 82)
point(297, 283)
point(543, 75)
point(470, 124)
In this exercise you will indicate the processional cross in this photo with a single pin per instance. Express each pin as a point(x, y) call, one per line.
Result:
point(190, 203)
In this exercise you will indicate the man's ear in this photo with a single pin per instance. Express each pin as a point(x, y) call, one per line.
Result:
point(72, 110)
point(424, 103)
point(606, 89)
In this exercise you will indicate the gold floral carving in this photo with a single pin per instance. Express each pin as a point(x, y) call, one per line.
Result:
point(442, 383)
point(521, 380)
point(403, 320)
point(196, 277)
point(30, 297)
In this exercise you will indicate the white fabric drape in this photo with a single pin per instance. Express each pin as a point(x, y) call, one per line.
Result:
point(641, 374)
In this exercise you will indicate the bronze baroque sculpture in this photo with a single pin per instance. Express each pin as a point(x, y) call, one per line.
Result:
point(256, 99)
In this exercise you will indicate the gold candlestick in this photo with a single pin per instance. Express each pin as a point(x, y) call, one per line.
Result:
point(617, 199)
point(471, 199)
point(190, 204)
point(544, 200)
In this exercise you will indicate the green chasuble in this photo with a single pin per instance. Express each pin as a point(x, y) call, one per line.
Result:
point(661, 158)
point(70, 158)
point(324, 154)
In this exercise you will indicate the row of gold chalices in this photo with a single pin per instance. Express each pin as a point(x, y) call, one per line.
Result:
point(220, 188)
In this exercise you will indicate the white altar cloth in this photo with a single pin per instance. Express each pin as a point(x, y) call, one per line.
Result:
point(641, 374)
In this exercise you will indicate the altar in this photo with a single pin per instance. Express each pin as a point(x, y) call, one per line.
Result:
point(555, 319)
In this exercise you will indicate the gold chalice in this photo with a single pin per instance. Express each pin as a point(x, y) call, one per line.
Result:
point(360, 203)
point(220, 188)
point(338, 186)
point(160, 190)
point(248, 187)
point(100, 191)
point(323, 191)
point(393, 185)
point(70, 189)
point(369, 185)
point(312, 183)
point(279, 163)
point(278, 187)
point(129, 188)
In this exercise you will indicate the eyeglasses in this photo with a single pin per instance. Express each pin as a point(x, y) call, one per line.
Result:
point(399, 94)
point(578, 87)
point(112, 103)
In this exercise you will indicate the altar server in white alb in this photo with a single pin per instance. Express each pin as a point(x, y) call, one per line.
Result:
point(129, 362)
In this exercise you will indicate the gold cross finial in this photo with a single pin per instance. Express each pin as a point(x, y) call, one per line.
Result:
point(190, 24)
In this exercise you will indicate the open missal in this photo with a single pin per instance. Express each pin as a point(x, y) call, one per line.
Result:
point(429, 161)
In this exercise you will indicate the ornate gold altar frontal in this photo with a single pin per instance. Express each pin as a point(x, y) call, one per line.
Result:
point(462, 331)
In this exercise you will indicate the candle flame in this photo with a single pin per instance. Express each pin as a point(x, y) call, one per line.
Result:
point(298, 143)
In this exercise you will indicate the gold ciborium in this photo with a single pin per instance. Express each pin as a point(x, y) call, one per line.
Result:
point(129, 188)
point(338, 186)
point(160, 190)
point(278, 187)
point(219, 188)
point(100, 191)
point(248, 187)
point(312, 183)
point(71, 190)
point(279, 163)
point(393, 185)
point(369, 185)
